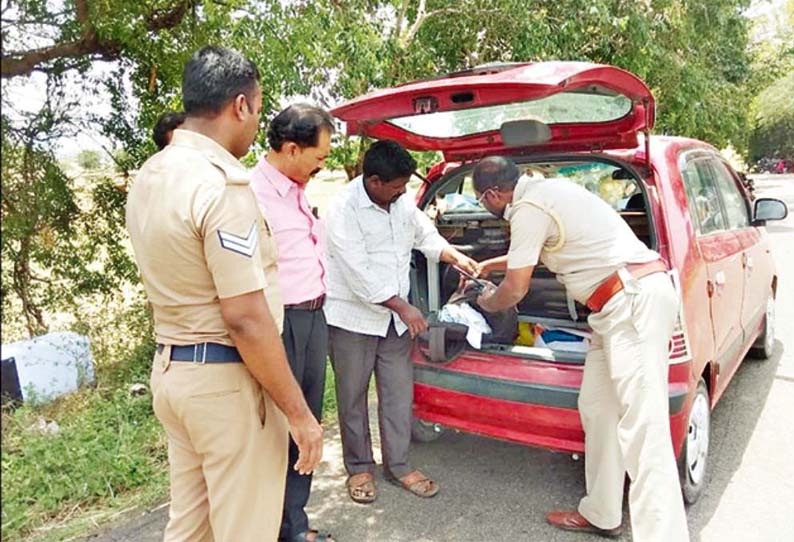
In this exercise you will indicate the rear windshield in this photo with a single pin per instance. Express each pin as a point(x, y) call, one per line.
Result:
point(561, 108)
point(610, 182)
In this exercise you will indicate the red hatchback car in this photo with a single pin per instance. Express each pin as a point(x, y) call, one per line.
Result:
point(582, 122)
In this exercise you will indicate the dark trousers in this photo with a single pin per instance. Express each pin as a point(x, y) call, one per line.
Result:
point(305, 338)
point(354, 357)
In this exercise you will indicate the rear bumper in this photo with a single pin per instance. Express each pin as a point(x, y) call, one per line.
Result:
point(535, 414)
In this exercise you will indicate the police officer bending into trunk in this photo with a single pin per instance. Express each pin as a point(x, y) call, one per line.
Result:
point(220, 380)
point(623, 400)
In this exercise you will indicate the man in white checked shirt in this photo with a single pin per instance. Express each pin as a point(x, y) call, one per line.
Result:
point(372, 227)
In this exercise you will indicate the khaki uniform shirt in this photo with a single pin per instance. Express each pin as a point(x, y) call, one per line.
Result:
point(574, 233)
point(198, 237)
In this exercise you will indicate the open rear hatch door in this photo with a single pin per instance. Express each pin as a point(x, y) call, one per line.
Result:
point(537, 107)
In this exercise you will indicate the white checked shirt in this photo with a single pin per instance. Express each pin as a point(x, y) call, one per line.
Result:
point(369, 258)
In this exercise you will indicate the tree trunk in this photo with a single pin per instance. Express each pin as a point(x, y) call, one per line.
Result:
point(34, 320)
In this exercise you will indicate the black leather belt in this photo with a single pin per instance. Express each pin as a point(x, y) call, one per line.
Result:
point(204, 353)
point(313, 305)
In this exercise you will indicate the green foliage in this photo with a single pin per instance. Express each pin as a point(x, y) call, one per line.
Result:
point(109, 443)
point(61, 241)
point(329, 396)
point(772, 111)
point(344, 150)
point(773, 56)
point(773, 126)
point(692, 54)
point(89, 159)
point(64, 249)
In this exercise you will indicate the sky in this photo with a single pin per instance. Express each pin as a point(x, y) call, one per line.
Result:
point(28, 94)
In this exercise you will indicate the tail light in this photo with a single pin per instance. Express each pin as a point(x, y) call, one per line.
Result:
point(678, 349)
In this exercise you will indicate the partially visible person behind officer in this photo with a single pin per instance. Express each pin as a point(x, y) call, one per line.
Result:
point(220, 381)
point(164, 128)
point(300, 140)
point(623, 400)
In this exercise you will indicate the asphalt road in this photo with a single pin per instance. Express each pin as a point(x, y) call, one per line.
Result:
point(498, 491)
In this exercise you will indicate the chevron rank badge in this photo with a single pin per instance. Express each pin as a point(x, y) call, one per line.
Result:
point(241, 245)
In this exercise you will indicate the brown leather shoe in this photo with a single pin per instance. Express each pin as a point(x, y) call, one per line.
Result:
point(570, 520)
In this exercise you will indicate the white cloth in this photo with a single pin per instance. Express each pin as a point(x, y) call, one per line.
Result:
point(51, 365)
point(463, 313)
point(597, 241)
point(369, 258)
point(623, 403)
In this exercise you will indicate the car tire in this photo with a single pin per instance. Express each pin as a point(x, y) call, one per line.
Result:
point(765, 343)
point(693, 462)
point(422, 431)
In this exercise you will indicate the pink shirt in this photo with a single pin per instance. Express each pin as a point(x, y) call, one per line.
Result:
point(299, 235)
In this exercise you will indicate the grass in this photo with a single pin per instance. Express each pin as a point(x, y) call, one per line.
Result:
point(329, 397)
point(109, 455)
point(108, 444)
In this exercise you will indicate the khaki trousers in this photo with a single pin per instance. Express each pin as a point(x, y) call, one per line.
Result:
point(624, 408)
point(227, 451)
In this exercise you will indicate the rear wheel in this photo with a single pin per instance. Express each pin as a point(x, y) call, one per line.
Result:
point(765, 344)
point(422, 431)
point(692, 465)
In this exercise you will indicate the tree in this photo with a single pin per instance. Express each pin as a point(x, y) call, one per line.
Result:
point(62, 241)
point(772, 110)
point(773, 121)
point(692, 53)
point(89, 159)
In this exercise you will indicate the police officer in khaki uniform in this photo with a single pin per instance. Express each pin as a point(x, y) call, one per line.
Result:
point(623, 401)
point(221, 384)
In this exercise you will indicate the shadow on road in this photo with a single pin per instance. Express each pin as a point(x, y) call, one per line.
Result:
point(490, 490)
point(495, 490)
point(733, 421)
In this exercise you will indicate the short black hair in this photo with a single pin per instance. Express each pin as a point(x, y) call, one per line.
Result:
point(215, 75)
point(299, 123)
point(388, 160)
point(168, 122)
point(495, 172)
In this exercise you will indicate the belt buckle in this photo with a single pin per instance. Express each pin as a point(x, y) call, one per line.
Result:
point(203, 360)
point(629, 282)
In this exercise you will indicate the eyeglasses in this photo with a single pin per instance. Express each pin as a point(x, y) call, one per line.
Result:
point(482, 196)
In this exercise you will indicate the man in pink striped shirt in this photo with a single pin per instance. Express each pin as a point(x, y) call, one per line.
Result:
point(300, 140)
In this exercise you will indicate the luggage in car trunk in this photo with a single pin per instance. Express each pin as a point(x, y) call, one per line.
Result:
point(452, 204)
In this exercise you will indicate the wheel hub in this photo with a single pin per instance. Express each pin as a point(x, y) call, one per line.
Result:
point(769, 339)
point(698, 439)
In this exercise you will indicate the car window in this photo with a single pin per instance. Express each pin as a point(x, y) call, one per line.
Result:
point(733, 201)
point(611, 183)
point(561, 108)
point(704, 200)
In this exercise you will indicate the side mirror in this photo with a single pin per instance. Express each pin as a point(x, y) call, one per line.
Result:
point(768, 209)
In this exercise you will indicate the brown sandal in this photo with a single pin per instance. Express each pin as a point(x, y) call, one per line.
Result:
point(417, 483)
point(361, 487)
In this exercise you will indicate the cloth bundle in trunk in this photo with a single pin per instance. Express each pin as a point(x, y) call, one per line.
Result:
point(447, 340)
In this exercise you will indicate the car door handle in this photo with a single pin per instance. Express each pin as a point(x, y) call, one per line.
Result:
point(748, 261)
point(719, 279)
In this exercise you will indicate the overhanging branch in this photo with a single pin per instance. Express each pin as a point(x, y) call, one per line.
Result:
point(17, 63)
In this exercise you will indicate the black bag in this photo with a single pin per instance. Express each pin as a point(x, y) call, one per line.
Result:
point(504, 324)
point(446, 340)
